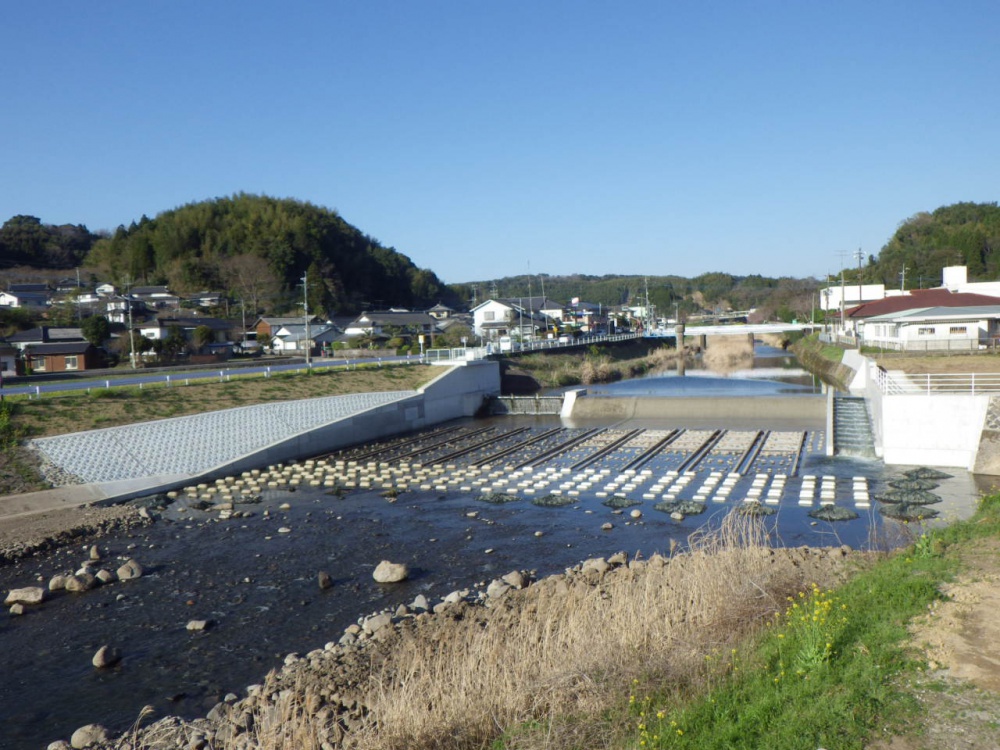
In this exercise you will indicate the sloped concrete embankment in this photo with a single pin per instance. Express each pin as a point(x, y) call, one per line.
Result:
point(120, 463)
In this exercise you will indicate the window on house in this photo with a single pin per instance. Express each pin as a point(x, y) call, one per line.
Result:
point(489, 315)
point(925, 331)
point(958, 330)
point(38, 364)
point(72, 363)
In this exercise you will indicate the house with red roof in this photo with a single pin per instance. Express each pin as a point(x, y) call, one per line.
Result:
point(928, 320)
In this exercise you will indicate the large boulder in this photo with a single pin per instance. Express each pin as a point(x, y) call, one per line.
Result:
point(390, 572)
point(27, 595)
point(106, 656)
point(91, 734)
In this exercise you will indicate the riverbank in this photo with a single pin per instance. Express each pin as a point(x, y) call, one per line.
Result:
point(702, 649)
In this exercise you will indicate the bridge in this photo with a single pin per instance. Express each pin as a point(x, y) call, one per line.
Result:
point(731, 330)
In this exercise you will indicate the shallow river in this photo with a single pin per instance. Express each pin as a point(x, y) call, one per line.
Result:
point(258, 584)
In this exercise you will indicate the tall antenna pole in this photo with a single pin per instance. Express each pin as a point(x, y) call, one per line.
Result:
point(859, 255)
point(902, 280)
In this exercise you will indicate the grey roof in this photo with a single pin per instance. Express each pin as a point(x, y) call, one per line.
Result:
point(45, 334)
point(66, 347)
point(925, 313)
point(393, 319)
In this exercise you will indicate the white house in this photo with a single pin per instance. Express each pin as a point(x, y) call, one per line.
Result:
point(389, 323)
point(934, 329)
point(501, 316)
point(27, 300)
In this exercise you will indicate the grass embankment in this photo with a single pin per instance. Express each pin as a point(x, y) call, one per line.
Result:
point(823, 359)
point(75, 411)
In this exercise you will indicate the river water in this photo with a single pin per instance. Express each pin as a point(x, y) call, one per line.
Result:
point(255, 577)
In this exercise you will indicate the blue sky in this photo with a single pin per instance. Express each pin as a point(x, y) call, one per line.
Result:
point(486, 139)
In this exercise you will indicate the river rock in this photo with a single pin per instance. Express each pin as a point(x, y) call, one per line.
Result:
point(91, 734)
point(80, 582)
point(59, 745)
point(515, 578)
point(131, 569)
point(106, 656)
point(375, 623)
point(17, 609)
point(57, 583)
point(106, 576)
point(95, 554)
point(324, 580)
point(420, 603)
point(607, 526)
point(389, 572)
point(497, 589)
point(27, 595)
point(199, 625)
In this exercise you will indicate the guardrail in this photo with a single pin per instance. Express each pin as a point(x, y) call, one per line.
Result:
point(936, 384)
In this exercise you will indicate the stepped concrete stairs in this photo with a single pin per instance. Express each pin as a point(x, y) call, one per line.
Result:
point(852, 429)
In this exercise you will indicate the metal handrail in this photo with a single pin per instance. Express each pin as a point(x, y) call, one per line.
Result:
point(936, 384)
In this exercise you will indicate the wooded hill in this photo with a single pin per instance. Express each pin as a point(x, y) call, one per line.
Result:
point(258, 249)
point(962, 234)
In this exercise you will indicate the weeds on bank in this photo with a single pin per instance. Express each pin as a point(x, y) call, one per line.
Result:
point(826, 671)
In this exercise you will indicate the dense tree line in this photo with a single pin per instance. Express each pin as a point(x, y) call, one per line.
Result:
point(785, 297)
point(963, 234)
point(26, 241)
point(259, 248)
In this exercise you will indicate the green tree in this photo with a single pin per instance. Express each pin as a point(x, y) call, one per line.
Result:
point(96, 329)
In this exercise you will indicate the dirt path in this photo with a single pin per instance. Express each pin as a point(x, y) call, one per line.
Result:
point(960, 639)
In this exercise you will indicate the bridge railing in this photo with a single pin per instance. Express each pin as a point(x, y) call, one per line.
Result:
point(937, 384)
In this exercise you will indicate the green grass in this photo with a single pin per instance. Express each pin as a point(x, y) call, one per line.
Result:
point(826, 673)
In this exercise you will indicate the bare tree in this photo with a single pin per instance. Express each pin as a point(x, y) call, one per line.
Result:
point(251, 278)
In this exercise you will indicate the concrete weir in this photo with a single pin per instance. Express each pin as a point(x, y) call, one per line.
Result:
point(800, 412)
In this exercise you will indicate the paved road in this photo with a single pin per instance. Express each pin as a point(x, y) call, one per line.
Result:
point(223, 373)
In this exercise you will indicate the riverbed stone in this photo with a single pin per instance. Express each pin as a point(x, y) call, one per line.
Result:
point(324, 580)
point(17, 609)
point(59, 745)
point(90, 734)
point(106, 656)
point(375, 623)
point(515, 578)
point(81, 582)
point(95, 554)
point(420, 603)
point(390, 572)
point(106, 576)
point(26, 595)
point(129, 570)
point(497, 589)
point(198, 625)
point(57, 582)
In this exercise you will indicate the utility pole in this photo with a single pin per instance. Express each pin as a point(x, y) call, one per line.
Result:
point(902, 280)
point(305, 313)
point(128, 308)
point(859, 256)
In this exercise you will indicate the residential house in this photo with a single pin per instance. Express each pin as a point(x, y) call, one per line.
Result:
point(392, 323)
point(293, 338)
point(44, 335)
point(63, 357)
point(505, 316)
point(935, 329)
point(117, 310)
point(26, 300)
point(160, 329)
point(105, 290)
point(155, 297)
point(29, 288)
point(267, 327)
point(207, 299)
point(440, 312)
point(925, 320)
point(10, 360)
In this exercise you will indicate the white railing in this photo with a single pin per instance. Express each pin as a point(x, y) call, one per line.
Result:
point(936, 384)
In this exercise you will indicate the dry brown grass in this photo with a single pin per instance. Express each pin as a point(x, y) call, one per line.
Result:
point(574, 650)
point(726, 354)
